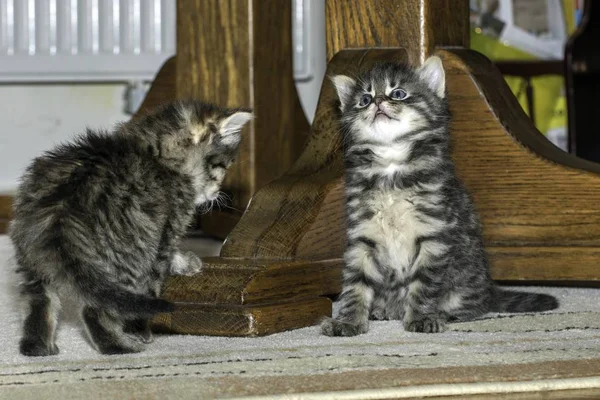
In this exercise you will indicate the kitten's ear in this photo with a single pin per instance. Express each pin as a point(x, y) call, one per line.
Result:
point(235, 122)
point(432, 72)
point(344, 86)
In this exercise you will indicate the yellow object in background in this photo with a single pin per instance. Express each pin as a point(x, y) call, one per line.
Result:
point(569, 12)
point(547, 89)
point(557, 126)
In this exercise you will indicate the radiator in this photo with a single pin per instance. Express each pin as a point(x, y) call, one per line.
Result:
point(85, 40)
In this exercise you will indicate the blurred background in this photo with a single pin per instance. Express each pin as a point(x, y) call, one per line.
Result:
point(68, 64)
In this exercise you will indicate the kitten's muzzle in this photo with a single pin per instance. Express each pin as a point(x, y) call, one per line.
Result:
point(380, 112)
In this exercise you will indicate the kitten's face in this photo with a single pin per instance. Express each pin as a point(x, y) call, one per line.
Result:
point(389, 100)
point(207, 141)
point(221, 151)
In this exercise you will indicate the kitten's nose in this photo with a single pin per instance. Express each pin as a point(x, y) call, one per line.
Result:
point(378, 100)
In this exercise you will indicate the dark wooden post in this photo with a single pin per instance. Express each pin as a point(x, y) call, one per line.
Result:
point(538, 204)
point(419, 26)
point(239, 53)
point(582, 70)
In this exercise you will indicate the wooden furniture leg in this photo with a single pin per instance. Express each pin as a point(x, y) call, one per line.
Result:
point(539, 205)
point(238, 53)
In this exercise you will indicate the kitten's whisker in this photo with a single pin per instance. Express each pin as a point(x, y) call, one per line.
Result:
point(224, 196)
point(227, 196)
point(232, 208)
point(222, 201)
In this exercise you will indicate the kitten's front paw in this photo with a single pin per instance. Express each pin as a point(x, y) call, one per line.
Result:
point(187, 264)
point(425, 325)
point(119, 349)
point(194, 264)
point(378, 315)
point(334, 327)
point(35, 348)
point(139, 328)
point(146, 337)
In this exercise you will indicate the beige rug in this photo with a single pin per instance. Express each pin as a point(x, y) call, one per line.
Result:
point(497, 354)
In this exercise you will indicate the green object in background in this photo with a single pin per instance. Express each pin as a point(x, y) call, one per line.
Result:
point(547, 90)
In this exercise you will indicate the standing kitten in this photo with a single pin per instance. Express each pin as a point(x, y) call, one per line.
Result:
point(100, 219)
point(415, 249)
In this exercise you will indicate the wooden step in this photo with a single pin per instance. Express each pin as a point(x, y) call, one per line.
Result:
point(250, 298)
point(249, 320)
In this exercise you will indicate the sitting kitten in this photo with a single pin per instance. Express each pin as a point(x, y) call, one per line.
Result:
point(99, 220)
point(415, 249)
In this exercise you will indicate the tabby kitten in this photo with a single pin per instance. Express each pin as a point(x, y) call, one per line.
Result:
point(415, 249)
point(99, 219)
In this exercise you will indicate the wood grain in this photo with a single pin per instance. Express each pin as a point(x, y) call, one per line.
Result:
point(238, 53)
point(241, 282)
point(162, 89)
point(418, 25)
point(574, 265)
point(255, 320)
point(5, 212)
point(530, 194)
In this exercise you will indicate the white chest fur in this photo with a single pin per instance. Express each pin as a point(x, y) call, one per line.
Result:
point(396, 226)
point(389, 160)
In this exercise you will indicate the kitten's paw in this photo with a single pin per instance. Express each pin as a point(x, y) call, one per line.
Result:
point(186, 264)
point(194, 264)
point(146, 336)
point(378, 315)
point(35, 348)
point(425, 325)
point(334, 327)
point(116, 349)
point(130, 343)
point(396, 315)
point(140, 329)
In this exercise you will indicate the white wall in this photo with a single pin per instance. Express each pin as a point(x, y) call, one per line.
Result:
point(34, 118)
point(309, 89)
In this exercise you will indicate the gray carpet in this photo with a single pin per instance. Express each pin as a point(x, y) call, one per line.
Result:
point(559, 349)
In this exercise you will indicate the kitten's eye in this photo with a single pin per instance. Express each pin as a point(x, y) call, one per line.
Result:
point(365, 100)
point(398, 94)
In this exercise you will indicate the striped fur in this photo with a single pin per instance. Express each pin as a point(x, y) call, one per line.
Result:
point(414, 241)
point(99, 219)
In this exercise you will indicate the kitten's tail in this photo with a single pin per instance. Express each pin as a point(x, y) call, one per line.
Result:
point(127, 303)
point(106, 295)
point(515, 302)
point(91, 283)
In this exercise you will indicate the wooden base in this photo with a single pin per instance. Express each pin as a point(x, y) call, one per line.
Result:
point(250, 320)
point(557, 263)
point(245, 282)
point(250, 298)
